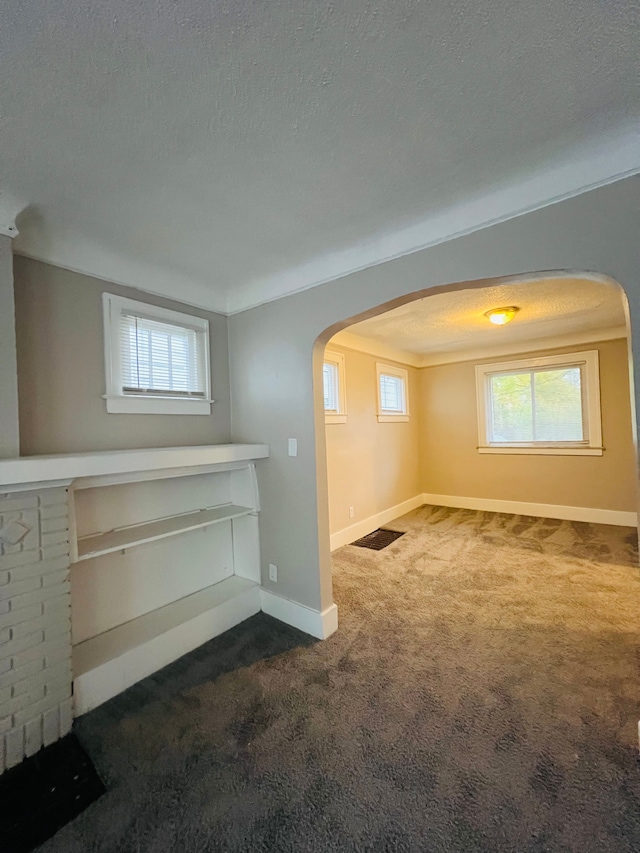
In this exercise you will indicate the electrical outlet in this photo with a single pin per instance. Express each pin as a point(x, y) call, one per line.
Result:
point(352, 512)
point(273, 573)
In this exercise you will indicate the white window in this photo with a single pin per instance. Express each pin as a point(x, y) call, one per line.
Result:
point(333, 383)
point(548, 405)
point(156, 360)
point(393, 393)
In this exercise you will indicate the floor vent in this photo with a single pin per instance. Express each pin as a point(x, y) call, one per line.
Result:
point(45, 792)
point(378, 540)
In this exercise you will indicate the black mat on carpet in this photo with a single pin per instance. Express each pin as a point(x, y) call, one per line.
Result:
point(44, 793)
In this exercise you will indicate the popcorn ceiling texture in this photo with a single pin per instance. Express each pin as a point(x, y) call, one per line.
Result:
point(197, 148)
point(35, 623)
point(480, 696)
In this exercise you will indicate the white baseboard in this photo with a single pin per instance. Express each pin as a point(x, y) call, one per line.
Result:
point(361, 528)
point(320, 624)
point(566, 513)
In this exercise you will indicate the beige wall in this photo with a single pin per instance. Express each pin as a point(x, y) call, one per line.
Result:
point(371, 466)
point(61, 369)
point(9, 437)
point(451, 464)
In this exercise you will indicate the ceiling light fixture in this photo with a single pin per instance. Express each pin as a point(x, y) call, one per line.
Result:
point(500, 316)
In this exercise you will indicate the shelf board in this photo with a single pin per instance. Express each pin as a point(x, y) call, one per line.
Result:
point(128, 537)
point(114, 643)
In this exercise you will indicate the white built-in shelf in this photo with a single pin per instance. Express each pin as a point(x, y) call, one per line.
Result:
point(98, 544)
point(113, 644)
point(32, 471)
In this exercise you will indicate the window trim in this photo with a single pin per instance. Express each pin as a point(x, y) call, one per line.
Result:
point(340, 416)
point(148, 404)
point(589, 361)
point(401, 372)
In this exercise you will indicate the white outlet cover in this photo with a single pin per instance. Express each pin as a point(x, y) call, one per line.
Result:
point(273, 572)
point(14, 532)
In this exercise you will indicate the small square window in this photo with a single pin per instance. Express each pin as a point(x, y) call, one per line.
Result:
point(156, 360)
point(334, 389)
point(393, 394)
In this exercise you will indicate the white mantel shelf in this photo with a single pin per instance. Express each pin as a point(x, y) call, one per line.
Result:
point(26, 471)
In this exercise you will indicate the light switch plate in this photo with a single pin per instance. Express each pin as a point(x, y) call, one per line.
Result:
point(293, 447)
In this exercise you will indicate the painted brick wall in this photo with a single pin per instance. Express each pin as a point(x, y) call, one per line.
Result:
point(35, 623)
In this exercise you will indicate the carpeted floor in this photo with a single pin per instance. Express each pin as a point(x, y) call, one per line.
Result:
point(482, 694)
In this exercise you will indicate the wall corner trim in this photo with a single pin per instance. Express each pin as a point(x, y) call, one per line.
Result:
point(320, 624)
point(592, 515)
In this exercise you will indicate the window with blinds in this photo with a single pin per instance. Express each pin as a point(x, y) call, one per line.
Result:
point(333, 386)
point(330, 385)
point(537, 405)
point(393, 401)
point(160, 358)
point(156, 360)
point(545, 404)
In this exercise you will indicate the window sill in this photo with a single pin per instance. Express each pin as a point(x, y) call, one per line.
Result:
point(335, 419)
point(392, 419)
point(120, 405)
point(544, 451)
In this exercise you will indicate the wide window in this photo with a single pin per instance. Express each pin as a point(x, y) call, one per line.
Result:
point(393, 395)
point(156, 360)
point(548, 405)
point(333, 382)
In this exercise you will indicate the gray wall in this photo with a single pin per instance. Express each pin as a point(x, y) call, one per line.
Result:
point(9, 437)
point(61, 369)
point(273, 357)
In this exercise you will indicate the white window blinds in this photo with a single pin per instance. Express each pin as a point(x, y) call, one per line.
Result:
point(392, 395)
point(330, 380)
point(159, 358)
point(544, 405)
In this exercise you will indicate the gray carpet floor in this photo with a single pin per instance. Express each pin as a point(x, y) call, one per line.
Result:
point(482, 694)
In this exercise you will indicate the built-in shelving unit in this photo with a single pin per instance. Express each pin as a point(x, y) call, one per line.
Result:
point(132, 535)
point(164, 552)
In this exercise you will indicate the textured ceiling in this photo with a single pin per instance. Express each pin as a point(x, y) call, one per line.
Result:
point(226, 152)
point(454, 322)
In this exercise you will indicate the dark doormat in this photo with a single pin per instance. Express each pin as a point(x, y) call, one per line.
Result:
point(45, 792)
point(378, 540)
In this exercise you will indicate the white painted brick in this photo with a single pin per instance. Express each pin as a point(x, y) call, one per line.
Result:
point(4, 606)
point(14, 743)
point(53, 496)
point(31, 518)
point(60, 605)
point(51, 700)
point(49, 677)
point(55, 538)
point(24, 614)
point(24, 641)
point(66, 716)
point(53, 578)
point(17, 500)
point(5, 724)
point(5, 636)
point(22, 675)
point(43, 568)
point(56, 511)
point(55, 656)
point(57, 628)
point(5, 664)
point(55, 550)
point(51, 525)
point(4, 578)
point(34, 653)
point(10, 549)
point(33, 736)
point(15, 704)
point(11, 561)
point(19, 587)
point(5, 695)
point(23, 629)
point(37, 596)
point(50, 726)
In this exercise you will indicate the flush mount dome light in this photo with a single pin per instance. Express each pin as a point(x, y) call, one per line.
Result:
point(500, 316)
